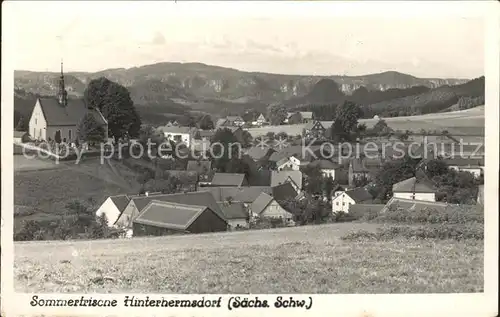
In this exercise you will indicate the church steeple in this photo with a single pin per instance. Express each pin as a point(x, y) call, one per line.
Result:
point(62, 94)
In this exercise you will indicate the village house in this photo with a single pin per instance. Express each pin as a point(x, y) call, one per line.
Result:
point(287, 176)
point(284, 192)
point(260, 121)
point(314, 129)
point(164, 217)
point(236, 214)
point(396, 204)
point(178, 134)
point(473, 166)
point(229, 121)
point(245, 195)
point(203, 170)
point(58, 118)
point(361, 169)
point(414, 189)
point(265, 206)
point(112, 208)
point(229, 179)
point(342, 200)
point(201, 199)
point(326, 167)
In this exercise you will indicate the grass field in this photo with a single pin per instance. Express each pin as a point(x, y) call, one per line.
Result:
point(310, 259)
point(50, 187)
point(470, 121)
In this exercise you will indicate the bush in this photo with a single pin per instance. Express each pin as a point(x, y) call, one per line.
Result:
point(450, 215)
point(457, 232)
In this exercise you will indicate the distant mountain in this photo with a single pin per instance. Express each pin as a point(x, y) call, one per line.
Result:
point(196, 80)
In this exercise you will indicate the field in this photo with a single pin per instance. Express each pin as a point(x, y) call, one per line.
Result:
point(45, 187)
point(470, 121)
point(310, 259)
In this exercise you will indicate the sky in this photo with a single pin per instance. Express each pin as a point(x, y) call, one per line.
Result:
point(285, 38)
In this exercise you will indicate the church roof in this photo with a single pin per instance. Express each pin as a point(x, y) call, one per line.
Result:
point(70, 115)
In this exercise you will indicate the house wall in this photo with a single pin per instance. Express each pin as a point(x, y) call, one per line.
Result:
point(233, 223)
point(418, 196)
point(328, 172)
point(208, 221)
point(126, 217)
point(342, 203)
point(274, 210)
point(141, 230)
point(185, 137)
point(476, 171)
point(110, 210)
point(37, 123)
point(67, 132)
point(295, 163)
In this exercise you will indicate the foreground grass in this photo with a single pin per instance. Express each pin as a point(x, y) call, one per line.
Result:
point(310, 259)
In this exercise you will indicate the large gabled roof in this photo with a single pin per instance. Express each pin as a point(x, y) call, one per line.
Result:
point(413, 185)
point(359, 194)
point(260, 204)
point(236, 194)
point(169, 215)
point(57, 115)
point(228, 179)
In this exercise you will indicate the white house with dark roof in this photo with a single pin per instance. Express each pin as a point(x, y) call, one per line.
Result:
point(112, 208)
point(414, 189)
point(326, 167)
point(59, 117)
point(342, 200)
point(265, 206)
point(473, 166)
point(178, 134)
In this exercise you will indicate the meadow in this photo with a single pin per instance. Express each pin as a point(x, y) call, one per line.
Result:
point(42, 188)
point(309, 259)
point(470, 121)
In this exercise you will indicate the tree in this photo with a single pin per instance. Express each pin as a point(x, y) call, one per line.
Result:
point(436, 167)
point(21, 124)
point(205, 123)
point(276, 113)
point(247, 139)
point(57, 136)
point(114, 102)
point(89, 129)
point(224, 149)
point(346, 121)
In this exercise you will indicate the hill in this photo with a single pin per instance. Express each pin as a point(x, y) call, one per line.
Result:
point(206, 81)
point(306, 259)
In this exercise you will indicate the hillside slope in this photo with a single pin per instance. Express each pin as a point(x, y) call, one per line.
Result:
point(206, 81)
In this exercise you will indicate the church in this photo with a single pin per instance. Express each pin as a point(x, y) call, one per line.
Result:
point(59, 117)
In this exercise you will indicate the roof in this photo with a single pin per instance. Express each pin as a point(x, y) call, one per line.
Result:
point(359, 194)
point(206, 133)
point(233, 210)
point(324, 164)
point(174, 129)
point(258, 152)
point(71, 114)
point(418, 205)
point(169, 215)
point(311, 125)
point(234, 118)
point(201, 167)
point(237, 194)
point(203, 199)
point(280, 177)
point(465, 162)
point(260, 204)
point(228, 179)
point(306, 114)
point(120, 201)
point(284, 192)
point(220, 122)
point(298, 151)
point(190, 176)
point(412, 185)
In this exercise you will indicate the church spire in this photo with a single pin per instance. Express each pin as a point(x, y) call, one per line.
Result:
point(62, 94)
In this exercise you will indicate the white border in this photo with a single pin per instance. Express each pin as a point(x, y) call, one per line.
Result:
point(375, 305)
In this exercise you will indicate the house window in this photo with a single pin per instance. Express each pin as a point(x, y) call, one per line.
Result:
point(343, 204)
point(337, 203)
point(413, 196)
